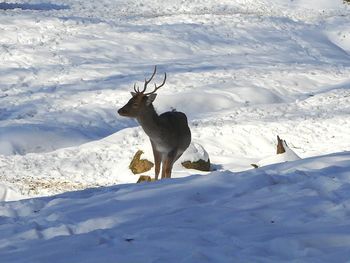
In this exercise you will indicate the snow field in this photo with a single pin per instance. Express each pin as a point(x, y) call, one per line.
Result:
point(241, 79)
point(243, 71)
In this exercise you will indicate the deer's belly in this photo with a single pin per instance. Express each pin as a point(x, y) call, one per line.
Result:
point(163, 148)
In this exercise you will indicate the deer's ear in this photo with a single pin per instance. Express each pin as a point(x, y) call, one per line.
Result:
point(151, 98)
point(133, 93)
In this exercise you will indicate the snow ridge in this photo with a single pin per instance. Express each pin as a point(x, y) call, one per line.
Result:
point(291, 211)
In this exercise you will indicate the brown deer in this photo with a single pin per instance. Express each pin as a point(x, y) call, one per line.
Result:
point(169, 132)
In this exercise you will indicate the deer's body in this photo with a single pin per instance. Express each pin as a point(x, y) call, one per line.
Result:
point(168, 132)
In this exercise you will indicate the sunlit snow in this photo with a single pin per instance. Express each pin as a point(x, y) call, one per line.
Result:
point(243, 72)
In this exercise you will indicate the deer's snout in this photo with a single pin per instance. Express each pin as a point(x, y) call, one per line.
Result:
point(122, 112)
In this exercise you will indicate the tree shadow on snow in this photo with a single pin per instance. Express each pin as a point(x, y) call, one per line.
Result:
point(37, 7)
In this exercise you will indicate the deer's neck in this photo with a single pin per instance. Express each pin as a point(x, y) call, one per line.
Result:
point(148, 119)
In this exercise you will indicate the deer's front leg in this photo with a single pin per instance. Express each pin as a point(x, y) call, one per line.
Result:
point(157, 159)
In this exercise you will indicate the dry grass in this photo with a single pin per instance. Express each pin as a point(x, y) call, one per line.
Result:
point(34, 186)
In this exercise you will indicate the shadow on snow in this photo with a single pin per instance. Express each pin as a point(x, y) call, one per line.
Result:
point(37, 7)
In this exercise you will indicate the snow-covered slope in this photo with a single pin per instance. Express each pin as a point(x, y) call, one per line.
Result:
point(243, 72)
point(297, 211)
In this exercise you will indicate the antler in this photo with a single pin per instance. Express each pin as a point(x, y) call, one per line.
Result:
point(137, 90)
point(157, 87)
point(148, 81)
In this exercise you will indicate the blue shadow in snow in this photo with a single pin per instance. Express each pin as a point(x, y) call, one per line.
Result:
point(38, 7)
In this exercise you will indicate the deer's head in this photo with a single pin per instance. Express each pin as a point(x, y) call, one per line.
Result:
point(140, 100)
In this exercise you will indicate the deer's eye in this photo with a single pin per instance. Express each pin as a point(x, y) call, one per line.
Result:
point(135, 105)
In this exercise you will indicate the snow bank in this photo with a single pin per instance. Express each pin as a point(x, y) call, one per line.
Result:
point(288, 156)
point(285, 212)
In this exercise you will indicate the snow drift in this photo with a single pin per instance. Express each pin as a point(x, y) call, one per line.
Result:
point(292, 211)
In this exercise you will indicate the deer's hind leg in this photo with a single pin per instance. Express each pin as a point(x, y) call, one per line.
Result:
point(168, 162)
point(157, 160)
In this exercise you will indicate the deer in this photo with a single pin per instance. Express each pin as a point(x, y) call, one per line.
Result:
point(168, 132)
